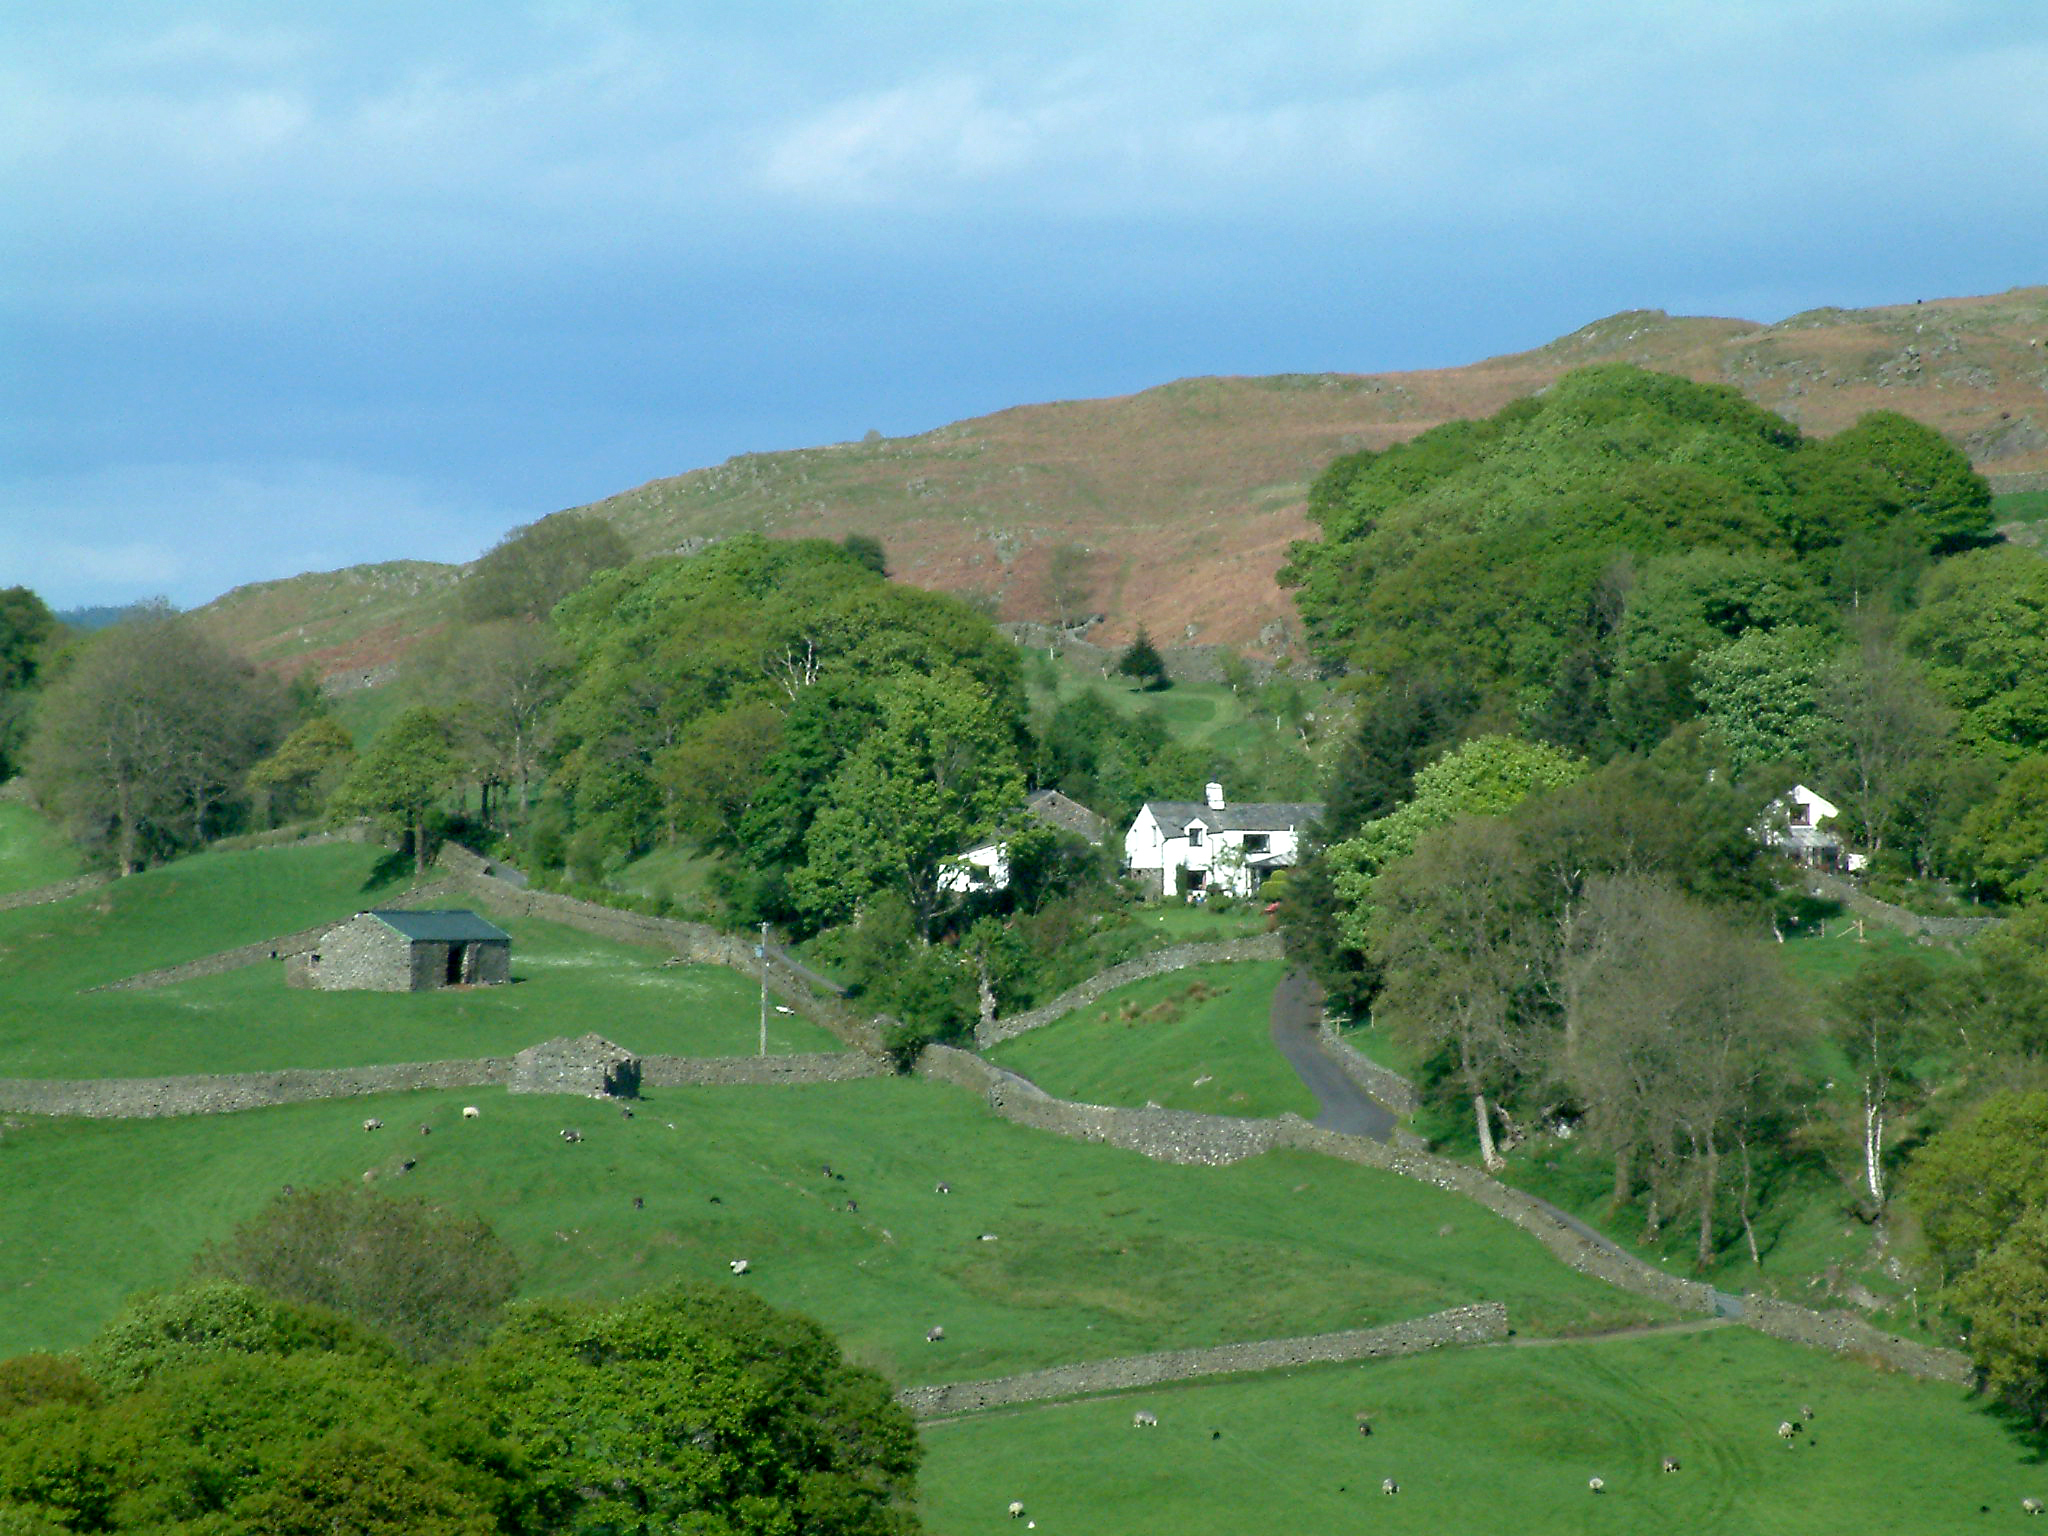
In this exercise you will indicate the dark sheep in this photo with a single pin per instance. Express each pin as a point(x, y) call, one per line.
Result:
point(639, 1203)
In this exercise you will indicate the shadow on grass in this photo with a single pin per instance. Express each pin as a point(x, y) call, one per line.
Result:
point(388, 870)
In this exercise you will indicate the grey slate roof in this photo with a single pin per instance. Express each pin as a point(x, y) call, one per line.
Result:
point(1173, 816)
point(446, 926)
point(1057, 810)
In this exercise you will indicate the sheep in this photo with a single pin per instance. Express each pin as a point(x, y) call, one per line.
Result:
point(944, 1188)
point(471, 1112)
point(1597, 1484)
point(1806, 1414)
point(639, 1202)
point(373, 1125)
point(1389, 1486)
point(988, 1237)
point(1144, 1418)
point(853, 1206)
point(1016, 1509)
point(1365, 1426)
point(1670, 1463)
point(738, 1266)
point(2032, 1506)
point(934, 1335)
point(369, 1175)
point(572, 1136)
point(1787, 1430)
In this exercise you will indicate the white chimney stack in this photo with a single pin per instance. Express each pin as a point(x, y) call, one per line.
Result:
point(1215, 797)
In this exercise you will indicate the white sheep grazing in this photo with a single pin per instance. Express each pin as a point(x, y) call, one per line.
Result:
point(2032, 1506)
point(1144, 1418)
point(934, 1335)
point(944, 1188)
point(1389, 1486)
point(1787, 1430)
point(1597, 1484)
point(572, 1136)
point(373, 1125)
point(1016, 1509)
point(471, 1112)
point(739, 1266)
point(1670, 1463)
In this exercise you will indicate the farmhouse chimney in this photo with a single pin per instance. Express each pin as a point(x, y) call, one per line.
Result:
point(1215, 797)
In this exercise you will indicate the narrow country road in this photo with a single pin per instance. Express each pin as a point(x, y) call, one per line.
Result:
point(1297, 1004)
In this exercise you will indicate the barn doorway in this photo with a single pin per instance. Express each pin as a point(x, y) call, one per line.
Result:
point(454, 977)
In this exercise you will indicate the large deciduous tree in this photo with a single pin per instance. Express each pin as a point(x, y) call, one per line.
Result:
point(403, 777)
point(145, 737)
point(935, 776)
point(696, 1410)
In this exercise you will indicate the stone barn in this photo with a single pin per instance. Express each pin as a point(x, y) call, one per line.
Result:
point(390, 950)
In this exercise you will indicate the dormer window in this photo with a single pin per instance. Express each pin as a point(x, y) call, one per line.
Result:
point(1195, 837)
point(1257, 842)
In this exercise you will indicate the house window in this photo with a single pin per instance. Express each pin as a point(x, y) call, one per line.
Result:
point(1800, 811)
point(1194, 837)
point(1257, 842)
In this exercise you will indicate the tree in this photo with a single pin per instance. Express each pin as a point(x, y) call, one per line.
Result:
point(403, 777)
point(1759, 694)
point(1141, 660)
point(696, 1409)
point(2005, 1299)
point(498, 683)
point(1885, 722)
point(430, 1279)
point(303, 773)
point(1975, 1180)
point(1454, 937)
point(1487, 776)
point(1981, 630)
point(717, 768)
point(2004, 839)
point(26, 629)
point(157, 1334)
point(145, 737)
point(864, 549)
point(1681, 1035)
point(534, 567)
point(935, 776)
point(1067, 582)
point(1884, 1017)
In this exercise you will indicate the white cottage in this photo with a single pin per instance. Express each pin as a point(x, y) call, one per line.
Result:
point(1798, 828)
point(1217, 844)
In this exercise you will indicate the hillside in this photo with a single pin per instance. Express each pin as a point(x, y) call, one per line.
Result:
point(1188, 494)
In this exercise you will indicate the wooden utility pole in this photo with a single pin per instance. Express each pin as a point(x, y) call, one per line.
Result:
point(761, 953)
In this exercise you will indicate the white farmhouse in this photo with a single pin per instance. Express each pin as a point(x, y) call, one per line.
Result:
point(1231, 847)
point(1797, 826)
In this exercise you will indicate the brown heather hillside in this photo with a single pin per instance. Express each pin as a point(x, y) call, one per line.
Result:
point(1187, 495)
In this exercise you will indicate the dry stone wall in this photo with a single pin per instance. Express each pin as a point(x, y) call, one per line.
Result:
point(63, 890)
point(146, 1098)
point(1175, 1136)
point(1262, 946)
point(1478, 1324)
point(1389, 1087)
point(286, 947)
point(1864, 904)
point(1847, 1334)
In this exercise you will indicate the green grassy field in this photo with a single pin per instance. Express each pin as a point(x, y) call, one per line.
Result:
point(566, 982)
point(1097, 1251)
point(1192, 1039)
point(1501, 1439)
point(32, 852)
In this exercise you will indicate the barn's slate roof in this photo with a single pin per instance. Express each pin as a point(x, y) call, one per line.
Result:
point(1056, 810)
point(1173, 816)
point(447, 926)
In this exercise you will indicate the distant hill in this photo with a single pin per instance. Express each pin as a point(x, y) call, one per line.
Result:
point(1188, 494)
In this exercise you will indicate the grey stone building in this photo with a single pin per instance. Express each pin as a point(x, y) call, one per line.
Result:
point(390, 950)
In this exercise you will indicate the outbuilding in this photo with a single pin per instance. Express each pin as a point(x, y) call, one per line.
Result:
point(397, 950)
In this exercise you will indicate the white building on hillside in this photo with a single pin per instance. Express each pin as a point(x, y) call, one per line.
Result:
point(1195, 845)
point(1797, 827)
point(986, 866)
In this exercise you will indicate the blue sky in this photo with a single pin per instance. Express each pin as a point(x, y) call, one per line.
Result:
point(292, 286)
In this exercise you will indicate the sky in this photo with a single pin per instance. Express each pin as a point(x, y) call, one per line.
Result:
point(288, 287)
